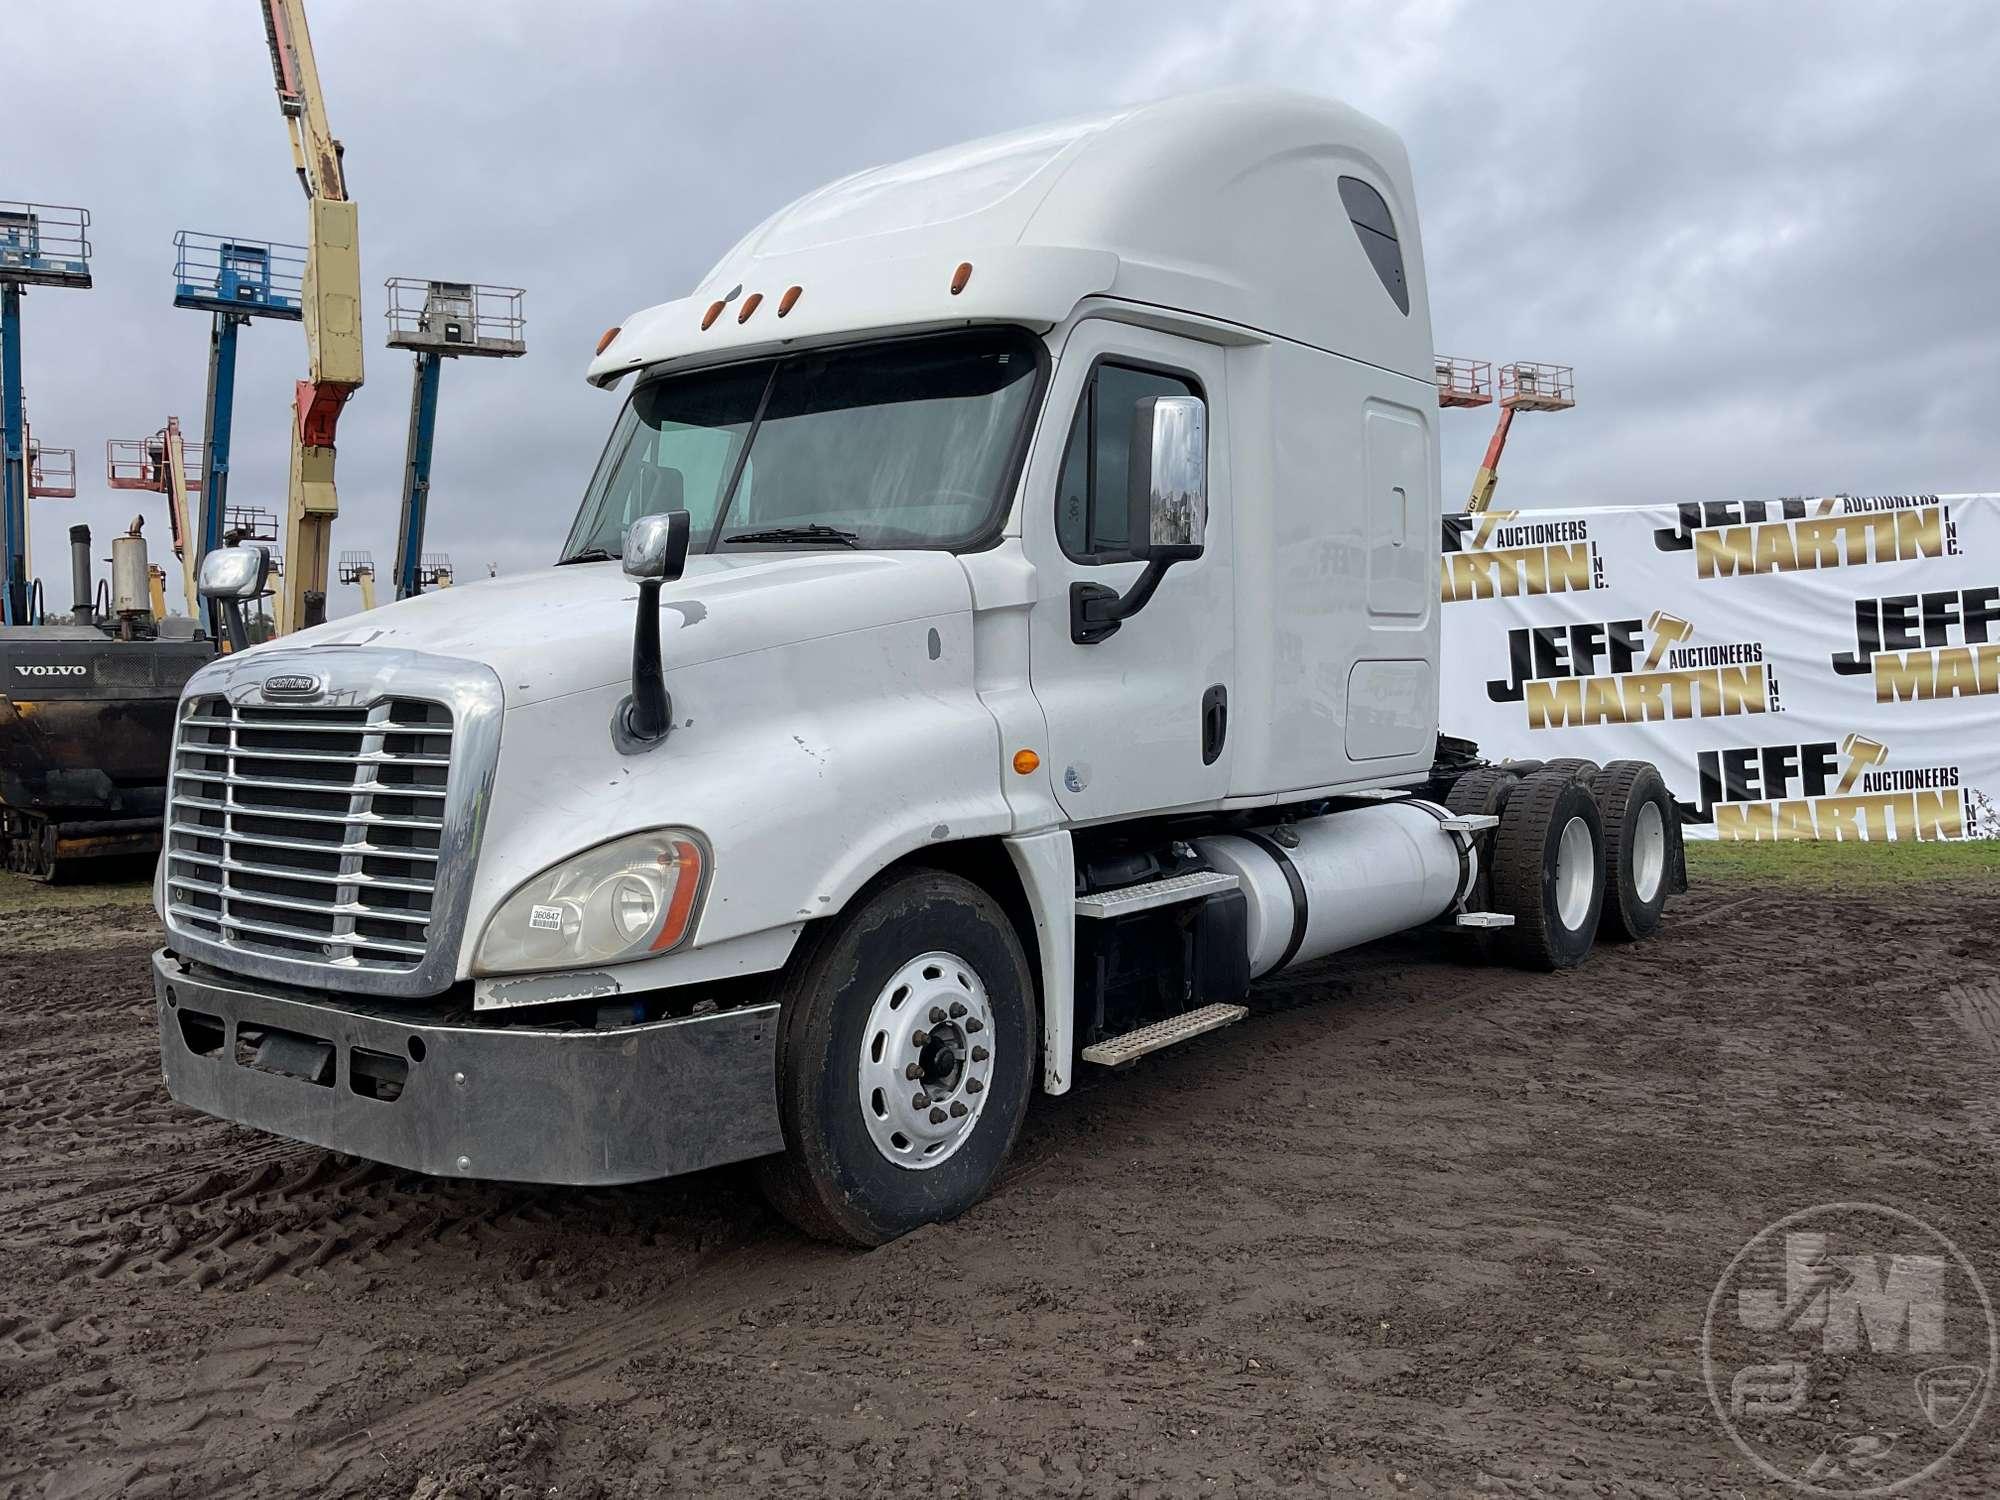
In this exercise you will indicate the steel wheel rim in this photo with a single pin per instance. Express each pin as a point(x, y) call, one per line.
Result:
point(1576, 874)
point(1649, 852)
point(932, 1018)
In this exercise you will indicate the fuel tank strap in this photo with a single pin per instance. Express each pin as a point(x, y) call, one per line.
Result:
point(1291, 873)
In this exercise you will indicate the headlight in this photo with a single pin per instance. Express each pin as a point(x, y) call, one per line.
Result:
point(630, 898)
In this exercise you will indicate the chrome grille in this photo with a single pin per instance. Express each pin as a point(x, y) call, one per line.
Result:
point(309, 832)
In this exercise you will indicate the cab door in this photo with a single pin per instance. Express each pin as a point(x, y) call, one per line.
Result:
point(1138, 721)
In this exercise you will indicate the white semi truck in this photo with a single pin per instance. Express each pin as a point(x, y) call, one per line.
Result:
point(1002, 626)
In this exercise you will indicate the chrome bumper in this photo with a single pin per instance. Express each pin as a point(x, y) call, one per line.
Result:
point(512, 1103)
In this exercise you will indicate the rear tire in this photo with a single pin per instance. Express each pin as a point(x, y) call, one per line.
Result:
point(1485, 790)
point(928, 956)
point(1548, 870)
point(1640, 822)
point(1572, 765)
point(1479, 792)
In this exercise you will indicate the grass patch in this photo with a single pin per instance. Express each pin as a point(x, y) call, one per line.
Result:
point(20, 894)
point(1828, 864)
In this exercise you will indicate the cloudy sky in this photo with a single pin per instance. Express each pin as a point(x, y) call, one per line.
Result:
point(1764, 234)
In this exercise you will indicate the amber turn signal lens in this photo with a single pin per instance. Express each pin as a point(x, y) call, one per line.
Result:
point(604, 342)
point(708, 318)
point(750, 304)
point(1025, 762)
point(785, 302)
point(959, 277)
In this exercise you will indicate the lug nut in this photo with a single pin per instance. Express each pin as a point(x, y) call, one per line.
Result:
point(973, 1085)
point(914, 1071)
point(937, 1015)
point(980, 1054)
point(919, 1099)
point(937, 1117)
point(958, 1109)
point(920, 1038)
point(975, 1025)
point(957, 1010)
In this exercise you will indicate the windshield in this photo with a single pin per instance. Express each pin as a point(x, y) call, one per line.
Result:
point(914, 443)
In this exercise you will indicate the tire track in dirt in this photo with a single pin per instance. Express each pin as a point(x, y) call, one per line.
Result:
point(1412, 1217)
point(766, 1268)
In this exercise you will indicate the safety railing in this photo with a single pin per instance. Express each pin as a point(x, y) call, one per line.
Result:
point(44, 244)
point(1528, 386)
point(227, 273)
point(455, 317)
point(51, 472)
point(250, 523)
point(141, 463)
point(1464, 382)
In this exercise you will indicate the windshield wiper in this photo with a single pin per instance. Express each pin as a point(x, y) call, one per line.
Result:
point(831, 535)
point(589, 554)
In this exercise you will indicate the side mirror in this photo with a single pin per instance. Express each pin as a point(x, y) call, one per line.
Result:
point(1166, 489)
point(656, 550)
point(656, 547)
point(1166, 499)
point(232, 576)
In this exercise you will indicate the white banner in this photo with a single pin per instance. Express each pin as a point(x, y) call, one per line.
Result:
point(1798, 668)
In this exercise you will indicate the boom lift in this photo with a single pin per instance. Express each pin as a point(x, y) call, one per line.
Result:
point(165, 464)
point(51, 476)
point(358, 568)
point(1524, 386)
point(249, 523)
point(51, 471)
point(330, 305)
point(233, 280)
point(440, 320)
point(40, 245)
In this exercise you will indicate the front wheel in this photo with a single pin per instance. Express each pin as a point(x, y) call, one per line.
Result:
point(906, 1053)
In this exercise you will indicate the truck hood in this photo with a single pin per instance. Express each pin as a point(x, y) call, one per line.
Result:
point(569, 629)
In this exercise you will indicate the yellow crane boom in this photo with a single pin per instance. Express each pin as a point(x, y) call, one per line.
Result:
point(179, 512)
point(332, 317)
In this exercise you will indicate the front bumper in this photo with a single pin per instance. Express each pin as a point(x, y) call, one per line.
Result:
point(513, 1103)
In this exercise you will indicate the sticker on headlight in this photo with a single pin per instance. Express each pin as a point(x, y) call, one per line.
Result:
point(545, 918)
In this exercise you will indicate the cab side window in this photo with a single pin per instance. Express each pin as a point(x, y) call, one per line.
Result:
point(1090, 493)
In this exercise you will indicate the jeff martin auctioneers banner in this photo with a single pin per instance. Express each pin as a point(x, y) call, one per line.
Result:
point(1798, 668)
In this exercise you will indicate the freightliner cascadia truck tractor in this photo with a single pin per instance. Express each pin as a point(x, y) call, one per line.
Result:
point(1001, 627)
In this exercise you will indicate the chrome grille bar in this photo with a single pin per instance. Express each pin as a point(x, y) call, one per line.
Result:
point(287, 837)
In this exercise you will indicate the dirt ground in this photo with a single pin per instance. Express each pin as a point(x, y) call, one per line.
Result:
point(1413, 1228)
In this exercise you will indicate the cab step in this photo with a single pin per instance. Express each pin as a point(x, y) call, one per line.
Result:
point(1175, 889)
point(1117, 1051)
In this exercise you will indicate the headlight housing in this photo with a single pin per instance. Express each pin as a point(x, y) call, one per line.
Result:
point(631, 898)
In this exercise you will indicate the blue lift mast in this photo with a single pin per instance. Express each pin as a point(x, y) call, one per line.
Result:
point(233, 280)
point(440, 320)
point(40, 245)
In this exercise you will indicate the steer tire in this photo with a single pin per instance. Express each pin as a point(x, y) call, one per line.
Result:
point(1553, 928)
point(1641, 825)
point(834, 1180)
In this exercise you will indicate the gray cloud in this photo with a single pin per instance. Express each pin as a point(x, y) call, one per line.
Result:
point(1764, 235)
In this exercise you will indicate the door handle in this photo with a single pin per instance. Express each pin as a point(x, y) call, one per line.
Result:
point(1214, 722)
